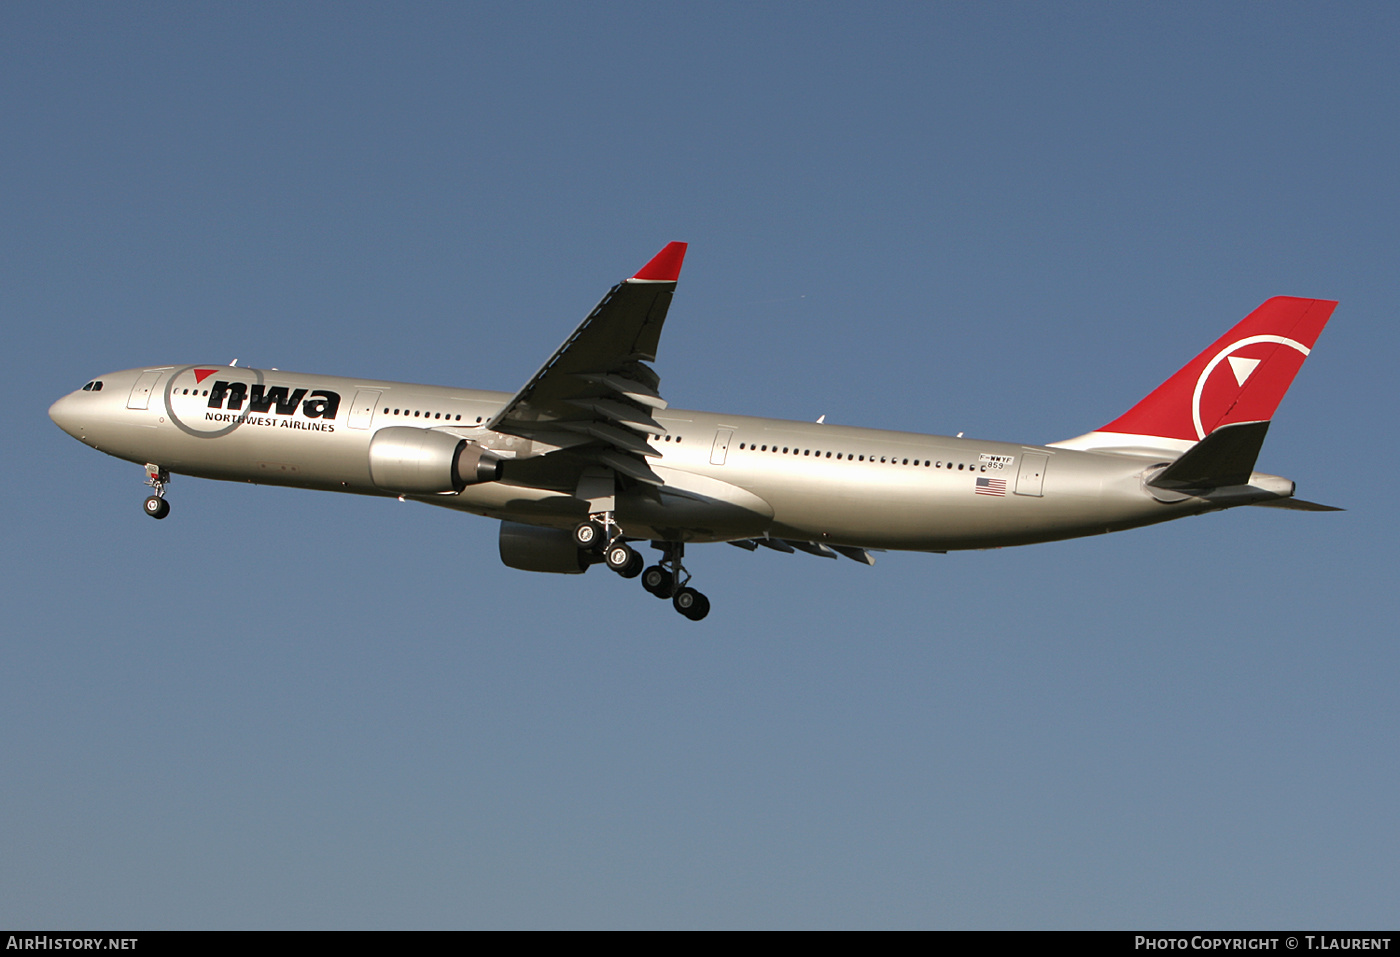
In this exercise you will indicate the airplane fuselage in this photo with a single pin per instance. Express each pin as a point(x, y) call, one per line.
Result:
point(726, 477)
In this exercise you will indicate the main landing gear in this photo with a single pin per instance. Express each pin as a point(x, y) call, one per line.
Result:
point(667, 579)
point(156, 477)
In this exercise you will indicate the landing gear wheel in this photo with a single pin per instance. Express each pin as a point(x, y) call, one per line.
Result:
point(634, 566)
point(157, 507)
point(588, 534)
point(619, 556)
point(658, 581)
point(691, 603)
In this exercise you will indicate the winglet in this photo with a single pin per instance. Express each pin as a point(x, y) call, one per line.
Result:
point(665, 266)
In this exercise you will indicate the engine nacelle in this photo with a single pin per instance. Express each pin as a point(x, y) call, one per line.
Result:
point(424, 461)
point(534, 549)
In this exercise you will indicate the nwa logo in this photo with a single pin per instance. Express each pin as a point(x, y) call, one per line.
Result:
point(229, 405)
point(279, 399)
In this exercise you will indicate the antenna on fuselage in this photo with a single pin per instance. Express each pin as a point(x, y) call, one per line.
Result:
point(233, 363)
point(821, 420)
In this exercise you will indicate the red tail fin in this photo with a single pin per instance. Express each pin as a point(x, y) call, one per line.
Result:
point(1240, 378)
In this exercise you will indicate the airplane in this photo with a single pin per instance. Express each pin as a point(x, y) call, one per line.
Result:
point(588, 458)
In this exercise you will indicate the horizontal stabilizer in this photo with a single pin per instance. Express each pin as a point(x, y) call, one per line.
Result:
point(1297, 504)
point(1225, 457)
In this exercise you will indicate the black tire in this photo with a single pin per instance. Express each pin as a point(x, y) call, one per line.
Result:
point(157, 507)
point(634, 566)
point(658, 581)
point(691, 603)
point(588, 534)
point(700, 609)
point(619, 556)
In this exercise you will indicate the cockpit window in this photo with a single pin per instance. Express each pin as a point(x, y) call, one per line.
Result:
point(94, 386)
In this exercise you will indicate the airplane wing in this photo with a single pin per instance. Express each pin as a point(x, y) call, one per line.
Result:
point(596, 394)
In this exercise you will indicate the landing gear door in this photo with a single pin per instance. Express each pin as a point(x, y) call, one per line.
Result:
point(720, 449)
point(1030, 480)
point(362, 410)
point(140, 397)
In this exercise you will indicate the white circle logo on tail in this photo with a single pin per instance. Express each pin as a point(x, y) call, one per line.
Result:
point(1242, 368)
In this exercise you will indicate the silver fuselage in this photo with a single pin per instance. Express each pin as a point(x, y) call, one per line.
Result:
point(726, 477)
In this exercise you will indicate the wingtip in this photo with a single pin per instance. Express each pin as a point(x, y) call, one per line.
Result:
point(665, 266)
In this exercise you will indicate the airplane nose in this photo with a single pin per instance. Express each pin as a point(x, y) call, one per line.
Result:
point(64, 416)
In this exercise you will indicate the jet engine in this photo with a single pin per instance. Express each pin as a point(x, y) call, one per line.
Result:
point(534, 549)
point(424, 461)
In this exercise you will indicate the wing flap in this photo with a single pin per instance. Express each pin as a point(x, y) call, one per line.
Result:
point(613, 436)
point(621, 414)
point(626, 465)
point(812, 548)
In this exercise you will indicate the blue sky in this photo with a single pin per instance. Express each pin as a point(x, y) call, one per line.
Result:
point(281, 708)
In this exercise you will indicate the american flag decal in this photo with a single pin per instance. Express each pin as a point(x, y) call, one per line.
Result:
point(991, 486)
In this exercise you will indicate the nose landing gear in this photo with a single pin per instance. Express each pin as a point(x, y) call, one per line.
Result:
point(156, 477)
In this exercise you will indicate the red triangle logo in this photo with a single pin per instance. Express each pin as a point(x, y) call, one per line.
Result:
point(201, 374)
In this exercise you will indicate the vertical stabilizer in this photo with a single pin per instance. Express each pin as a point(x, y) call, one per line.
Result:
point(1240, 378)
